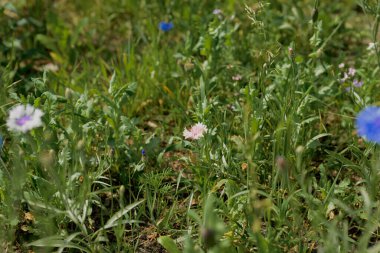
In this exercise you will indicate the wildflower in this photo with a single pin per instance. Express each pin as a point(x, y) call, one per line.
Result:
point(341, 65)
point(69, 93)
point(23, 118)
point(165, 26)
point(217, 12)
point(237, 77)
point(143, 152)
point(351, 71)
point(281, 162)
point(1, 142)
point(371, 46)
point(348, 89)
point(368, 123)
point(290, 51)
point(50, 67)
point(345, 77)
point(358, 84)
point(195, 132)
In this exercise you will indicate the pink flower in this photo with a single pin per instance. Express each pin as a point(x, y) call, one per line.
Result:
point(195, 132)
point(237, 77)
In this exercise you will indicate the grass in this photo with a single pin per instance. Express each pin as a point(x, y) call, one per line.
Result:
point(280, 169)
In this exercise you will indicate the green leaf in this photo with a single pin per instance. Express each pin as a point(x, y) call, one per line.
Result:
point(308, 145)
point(58, 241)
point(169, 244)
point(262, 244)
point(112, 221)
point(111, 83)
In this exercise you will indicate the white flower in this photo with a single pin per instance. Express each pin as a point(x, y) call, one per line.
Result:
point(23, 118)
point(371, 46)
point(50, 67)
point(217, 12)
point(341, 65)
point(345, 77)
point(195, 132)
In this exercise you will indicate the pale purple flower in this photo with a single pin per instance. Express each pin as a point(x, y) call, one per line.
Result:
point(23, 118)
point(196, 132)
point(358, 84)
point(351, 71)
point(217, 12)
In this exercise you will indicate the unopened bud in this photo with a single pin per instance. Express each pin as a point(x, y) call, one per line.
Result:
point(188, 66)
point(69, 93)
point(291, 52)
point(300, 149)
point(315, 15)
point(281, 162)
point(47, 158)
point(208, 236)
point(122, 190)
point(80, 145)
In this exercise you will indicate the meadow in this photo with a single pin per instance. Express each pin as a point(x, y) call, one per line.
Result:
point(189, 126)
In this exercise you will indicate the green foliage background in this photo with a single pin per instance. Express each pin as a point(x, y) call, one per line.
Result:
point(281, 168)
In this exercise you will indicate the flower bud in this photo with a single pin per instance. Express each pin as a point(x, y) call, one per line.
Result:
point(300, 149)
point(69, 93)
point(208, 237)
point(315, 15)
point(281, 162)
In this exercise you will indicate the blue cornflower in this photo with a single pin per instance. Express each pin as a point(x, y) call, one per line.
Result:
point(368, 123)
point(165, 26)
point(143, 152)
point(1, 142)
